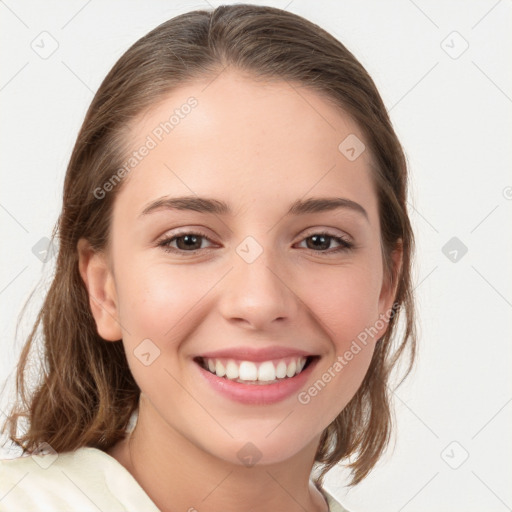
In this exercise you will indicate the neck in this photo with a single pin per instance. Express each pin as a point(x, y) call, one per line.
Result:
point(178, 475)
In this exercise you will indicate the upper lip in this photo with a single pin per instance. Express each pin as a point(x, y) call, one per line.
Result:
point(255, 354)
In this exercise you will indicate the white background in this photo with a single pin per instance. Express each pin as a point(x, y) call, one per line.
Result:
point(453, 116)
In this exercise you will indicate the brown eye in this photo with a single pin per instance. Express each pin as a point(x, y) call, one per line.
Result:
point(191, 242)
point(321, 242)
point(185, 242)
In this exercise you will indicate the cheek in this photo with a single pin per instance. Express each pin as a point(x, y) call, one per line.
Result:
point(157, 300)
point(156, 305)
point(344, 300)
point(345, 305)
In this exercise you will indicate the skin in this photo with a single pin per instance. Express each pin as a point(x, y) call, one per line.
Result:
point(259, 147)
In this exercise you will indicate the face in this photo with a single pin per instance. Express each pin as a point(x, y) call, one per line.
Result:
point(289, 300)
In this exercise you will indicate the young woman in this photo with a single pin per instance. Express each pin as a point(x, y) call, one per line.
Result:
point(234, 254)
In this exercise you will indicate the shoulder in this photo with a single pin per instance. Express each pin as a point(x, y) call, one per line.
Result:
point(86, 479)
point(334, 506)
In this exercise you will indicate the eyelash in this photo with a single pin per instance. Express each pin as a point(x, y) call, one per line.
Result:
point(345, 245)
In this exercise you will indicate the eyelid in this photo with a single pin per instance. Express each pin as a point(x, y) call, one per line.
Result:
point(164, 242)
point(309, 232)
point(345, 242)
point(181, 232)
point(328, 232)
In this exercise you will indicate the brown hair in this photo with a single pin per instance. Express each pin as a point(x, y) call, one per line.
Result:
point(86, 393)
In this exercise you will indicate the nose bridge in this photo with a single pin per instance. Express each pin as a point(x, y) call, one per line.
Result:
point(257, 290)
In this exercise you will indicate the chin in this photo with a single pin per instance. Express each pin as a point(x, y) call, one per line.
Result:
point(262, 449)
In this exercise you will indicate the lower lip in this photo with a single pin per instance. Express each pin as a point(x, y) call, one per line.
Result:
point(258, 394)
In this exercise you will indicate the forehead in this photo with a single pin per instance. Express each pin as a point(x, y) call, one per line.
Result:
point(246, 141)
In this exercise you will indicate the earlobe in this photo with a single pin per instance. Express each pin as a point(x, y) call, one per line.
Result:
point(99, 281)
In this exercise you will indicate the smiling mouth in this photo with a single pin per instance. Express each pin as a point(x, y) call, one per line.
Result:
point(256, 373)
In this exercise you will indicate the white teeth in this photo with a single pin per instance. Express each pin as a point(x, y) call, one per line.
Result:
point(290, 371)
point(219, 369)
point(266, 371)
point(248, 371)
point(232, 370)
point(281, 370)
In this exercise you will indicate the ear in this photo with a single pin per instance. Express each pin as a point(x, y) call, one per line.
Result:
point(99, 281)
point(390, 284)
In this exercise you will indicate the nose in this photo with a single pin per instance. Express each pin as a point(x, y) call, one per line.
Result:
point(259, 295)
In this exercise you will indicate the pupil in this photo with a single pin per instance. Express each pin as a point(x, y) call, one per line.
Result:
point(324, 243)
point(189, 241)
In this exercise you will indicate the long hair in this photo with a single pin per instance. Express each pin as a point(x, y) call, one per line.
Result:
point(85, 393)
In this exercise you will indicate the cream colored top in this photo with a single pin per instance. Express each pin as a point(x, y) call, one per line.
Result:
point(87, 479)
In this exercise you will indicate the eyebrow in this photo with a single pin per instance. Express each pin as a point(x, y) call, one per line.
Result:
point(217, 207)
